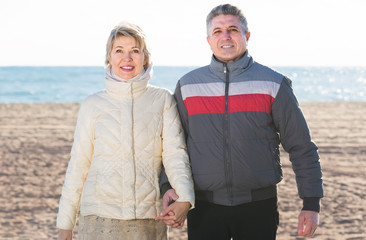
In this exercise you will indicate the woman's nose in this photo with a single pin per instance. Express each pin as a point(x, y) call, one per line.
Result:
point(127, 57)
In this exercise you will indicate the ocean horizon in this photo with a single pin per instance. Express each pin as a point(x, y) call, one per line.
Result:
point(62, 84)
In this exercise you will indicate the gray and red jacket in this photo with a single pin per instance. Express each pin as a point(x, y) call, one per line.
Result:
point(235, 115)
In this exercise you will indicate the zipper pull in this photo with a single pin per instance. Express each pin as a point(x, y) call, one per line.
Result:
point(225, 68)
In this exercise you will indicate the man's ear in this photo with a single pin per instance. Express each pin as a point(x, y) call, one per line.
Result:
point(247, 36)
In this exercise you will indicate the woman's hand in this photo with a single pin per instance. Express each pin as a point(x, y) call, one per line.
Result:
point(176, 212)
point(64, 235)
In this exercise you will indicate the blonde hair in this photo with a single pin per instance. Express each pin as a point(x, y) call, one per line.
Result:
point(126, 29)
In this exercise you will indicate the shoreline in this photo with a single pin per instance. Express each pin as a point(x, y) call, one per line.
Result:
point(36, 139)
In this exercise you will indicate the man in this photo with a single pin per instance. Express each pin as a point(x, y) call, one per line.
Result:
point(235, 113)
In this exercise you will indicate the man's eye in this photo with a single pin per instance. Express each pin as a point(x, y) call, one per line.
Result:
point(217, 32)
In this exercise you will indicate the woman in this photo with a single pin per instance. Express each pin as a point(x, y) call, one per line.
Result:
point(122, 137)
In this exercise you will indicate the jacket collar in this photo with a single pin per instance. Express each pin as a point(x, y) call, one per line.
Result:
point(235, 68)
point(127, 88)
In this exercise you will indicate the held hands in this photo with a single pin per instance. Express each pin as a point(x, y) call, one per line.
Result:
point(64, 235)
point(174, 213)
point(308, 222)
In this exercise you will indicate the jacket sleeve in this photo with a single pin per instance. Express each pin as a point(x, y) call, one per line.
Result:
point(296, 140)
point(164, 182)
point(77, 170)
point(175, 156)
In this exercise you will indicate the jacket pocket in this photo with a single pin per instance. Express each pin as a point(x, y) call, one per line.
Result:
point(255, 164)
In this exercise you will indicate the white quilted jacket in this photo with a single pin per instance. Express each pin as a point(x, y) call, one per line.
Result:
point(122, 136)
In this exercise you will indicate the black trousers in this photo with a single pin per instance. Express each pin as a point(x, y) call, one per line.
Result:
point(250, 221)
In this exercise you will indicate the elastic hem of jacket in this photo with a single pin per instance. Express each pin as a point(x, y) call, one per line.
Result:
point(256, 195)
point(311, 204)
point(264, 193)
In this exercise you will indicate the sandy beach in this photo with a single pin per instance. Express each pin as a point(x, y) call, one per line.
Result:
point(36, 139)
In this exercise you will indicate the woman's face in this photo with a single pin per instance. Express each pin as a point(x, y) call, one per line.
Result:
point(127, 59)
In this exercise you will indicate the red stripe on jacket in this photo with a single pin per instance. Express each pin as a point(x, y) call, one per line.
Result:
point(237, 103)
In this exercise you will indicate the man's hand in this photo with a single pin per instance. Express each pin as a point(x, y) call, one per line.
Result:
point(175, 214)
point(169, 197)
point(64, 235)
point(308, 222)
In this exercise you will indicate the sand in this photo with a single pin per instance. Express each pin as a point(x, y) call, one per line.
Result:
point(35, 141)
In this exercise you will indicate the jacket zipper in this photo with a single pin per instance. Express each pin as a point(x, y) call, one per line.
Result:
point(227, 160)
point(133, 146)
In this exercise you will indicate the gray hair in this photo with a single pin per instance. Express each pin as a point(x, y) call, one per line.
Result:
point(226, 9)
point(126, 29)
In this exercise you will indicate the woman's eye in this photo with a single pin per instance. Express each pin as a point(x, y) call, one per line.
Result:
point(118, 51)
point(136, 51)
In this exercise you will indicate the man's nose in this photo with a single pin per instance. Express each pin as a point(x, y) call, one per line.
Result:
point(226, 34)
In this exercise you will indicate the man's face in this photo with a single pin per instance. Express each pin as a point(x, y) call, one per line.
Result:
point(227, 40)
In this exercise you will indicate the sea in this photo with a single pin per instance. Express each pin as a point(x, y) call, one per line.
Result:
point(74, 84)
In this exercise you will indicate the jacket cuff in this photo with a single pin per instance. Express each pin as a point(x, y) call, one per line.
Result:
point(311, 204)
point(165, 187)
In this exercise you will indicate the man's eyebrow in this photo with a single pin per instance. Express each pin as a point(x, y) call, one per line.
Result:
point(231, 26)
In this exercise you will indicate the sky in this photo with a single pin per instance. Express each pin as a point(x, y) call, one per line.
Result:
point(283, 32)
